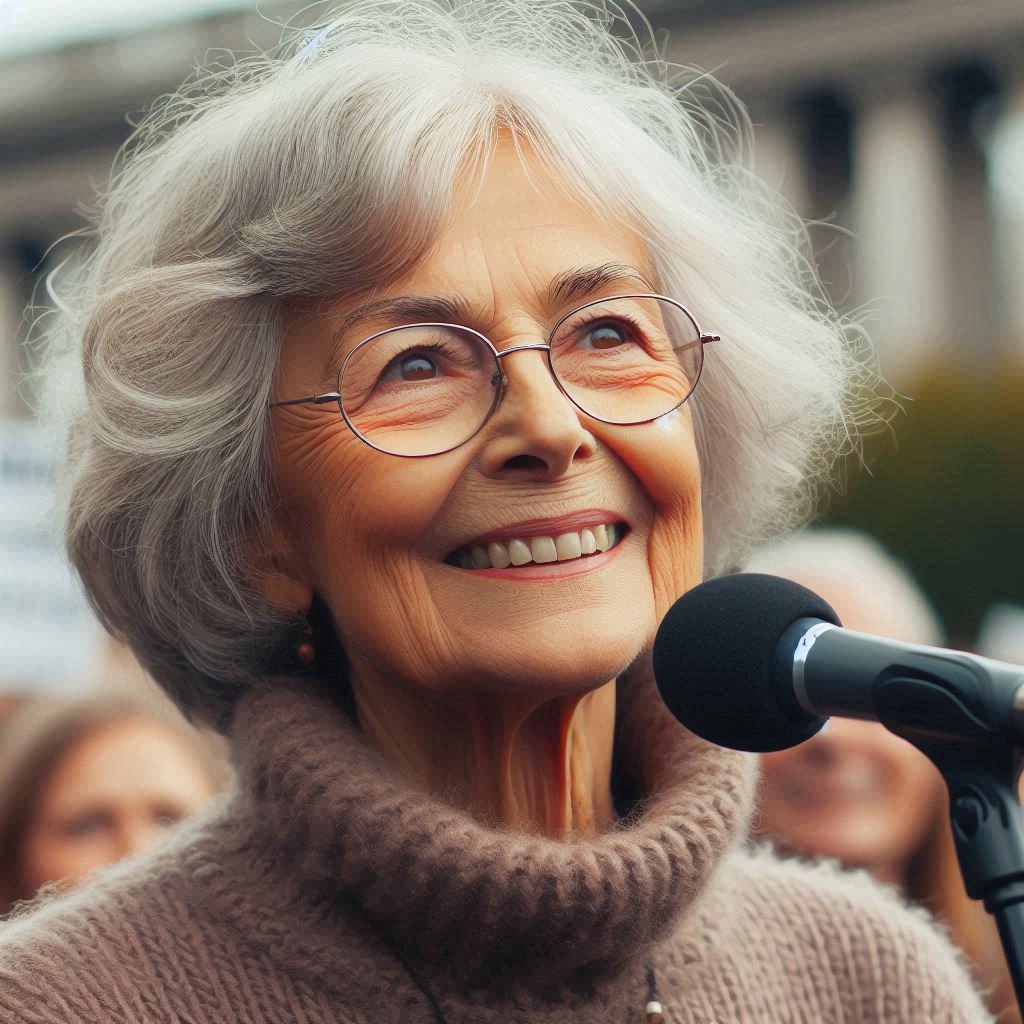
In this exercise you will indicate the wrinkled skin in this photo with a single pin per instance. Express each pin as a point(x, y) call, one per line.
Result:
point(497, 693)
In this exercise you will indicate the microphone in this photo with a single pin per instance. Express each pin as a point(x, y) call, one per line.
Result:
point(759, 663)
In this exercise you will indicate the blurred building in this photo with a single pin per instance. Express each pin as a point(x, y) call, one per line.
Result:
point(901, 121)
point(70, 71)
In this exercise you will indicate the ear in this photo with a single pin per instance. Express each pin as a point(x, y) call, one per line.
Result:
point(277, 573)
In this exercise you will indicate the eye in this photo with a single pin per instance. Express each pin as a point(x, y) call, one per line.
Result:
point(85, 824)
point(604, 336)
point(417, 367)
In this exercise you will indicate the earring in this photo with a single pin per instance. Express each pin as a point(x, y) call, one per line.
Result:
point(305, 652)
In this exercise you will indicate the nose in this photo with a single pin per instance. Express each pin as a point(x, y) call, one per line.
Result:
point(135, 835)
point(536, 433)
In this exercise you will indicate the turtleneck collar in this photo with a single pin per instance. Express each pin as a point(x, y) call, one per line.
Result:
point(334, 829)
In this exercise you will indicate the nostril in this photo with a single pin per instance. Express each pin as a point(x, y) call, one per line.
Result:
point(525, 462)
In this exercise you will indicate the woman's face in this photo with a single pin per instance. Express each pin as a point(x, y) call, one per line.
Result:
point(369, 533)
point(110, 796)
point(854, 792)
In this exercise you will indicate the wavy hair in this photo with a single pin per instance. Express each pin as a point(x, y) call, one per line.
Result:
point(326, 167)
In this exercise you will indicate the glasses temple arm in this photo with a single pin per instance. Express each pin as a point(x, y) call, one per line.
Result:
point(331, 396)
point(704, 339)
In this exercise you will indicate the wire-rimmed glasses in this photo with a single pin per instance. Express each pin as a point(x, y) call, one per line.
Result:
point(426, 388)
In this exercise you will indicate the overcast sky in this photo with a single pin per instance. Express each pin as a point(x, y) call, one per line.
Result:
point(34, 25)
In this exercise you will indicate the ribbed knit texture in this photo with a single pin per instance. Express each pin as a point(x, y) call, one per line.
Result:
point(289, 901)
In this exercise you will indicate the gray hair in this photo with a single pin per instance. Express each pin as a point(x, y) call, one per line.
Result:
point(851, 561)
point(326, 167)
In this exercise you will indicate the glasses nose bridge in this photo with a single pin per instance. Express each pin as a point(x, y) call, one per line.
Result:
point(536, 346)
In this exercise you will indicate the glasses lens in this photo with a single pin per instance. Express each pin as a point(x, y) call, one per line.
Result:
point(419, 390)
point(629, 359)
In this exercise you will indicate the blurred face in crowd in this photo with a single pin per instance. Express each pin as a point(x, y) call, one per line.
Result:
point(8, 702)
point(855, 792)
point(111, 795)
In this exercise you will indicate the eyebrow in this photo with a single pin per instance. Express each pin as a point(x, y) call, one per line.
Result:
point(570, 285)
point(585, 281)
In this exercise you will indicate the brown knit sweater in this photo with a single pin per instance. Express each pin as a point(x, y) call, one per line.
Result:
point(297, 897)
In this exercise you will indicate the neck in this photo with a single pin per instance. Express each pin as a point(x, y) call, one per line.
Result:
point(539, 764)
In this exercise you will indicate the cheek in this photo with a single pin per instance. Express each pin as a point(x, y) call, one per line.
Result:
point(48, 857)
point(774, 763)
point(663, 456)
point(350, 509)
point(356, 519)
point(916, 782)
point(915, 801)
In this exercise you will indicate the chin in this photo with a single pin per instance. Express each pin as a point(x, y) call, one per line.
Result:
point(572, 662)
point(542, 663)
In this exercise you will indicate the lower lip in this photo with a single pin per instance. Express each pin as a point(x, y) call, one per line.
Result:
point(550, 570)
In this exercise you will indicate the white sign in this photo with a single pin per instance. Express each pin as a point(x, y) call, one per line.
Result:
point(49, 638)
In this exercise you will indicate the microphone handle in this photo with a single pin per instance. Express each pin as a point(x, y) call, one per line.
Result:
point(942, 694)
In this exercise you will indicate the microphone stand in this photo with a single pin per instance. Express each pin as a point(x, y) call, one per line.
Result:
point(981, 770)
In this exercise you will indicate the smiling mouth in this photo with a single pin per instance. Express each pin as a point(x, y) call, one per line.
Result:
point(514, 552)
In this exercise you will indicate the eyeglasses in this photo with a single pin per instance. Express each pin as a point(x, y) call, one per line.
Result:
point(425, 389)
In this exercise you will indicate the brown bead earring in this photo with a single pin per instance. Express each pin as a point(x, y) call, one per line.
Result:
point(305, 652)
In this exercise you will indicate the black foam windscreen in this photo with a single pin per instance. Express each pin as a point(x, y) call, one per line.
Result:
point(713, 660)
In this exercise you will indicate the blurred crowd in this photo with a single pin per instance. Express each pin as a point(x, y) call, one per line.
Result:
point(90, 779)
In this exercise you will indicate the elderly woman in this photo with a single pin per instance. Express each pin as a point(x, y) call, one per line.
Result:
point(390, 457)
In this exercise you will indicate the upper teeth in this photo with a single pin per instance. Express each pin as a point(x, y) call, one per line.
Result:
point(518, 551)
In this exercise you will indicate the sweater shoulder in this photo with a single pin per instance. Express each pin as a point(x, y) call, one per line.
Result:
point(119, 948)
point(893, 961)
point(154, 941)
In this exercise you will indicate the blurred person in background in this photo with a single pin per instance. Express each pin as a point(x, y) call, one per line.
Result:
point(1001, 633)
point(856, 792)
point(8, 703)
point(86, 781)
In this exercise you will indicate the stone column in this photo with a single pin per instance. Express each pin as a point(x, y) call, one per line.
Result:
point(1005, 152)
point(900, 218)
point(10, 321)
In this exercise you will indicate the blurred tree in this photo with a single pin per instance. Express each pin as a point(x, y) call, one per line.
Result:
point(945, 492)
